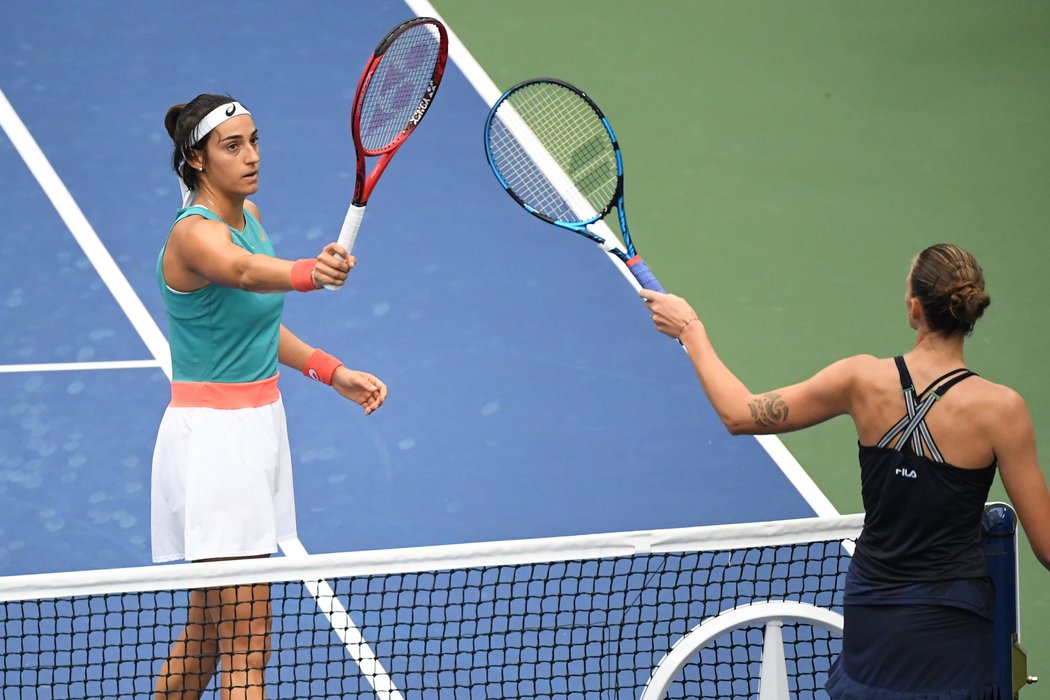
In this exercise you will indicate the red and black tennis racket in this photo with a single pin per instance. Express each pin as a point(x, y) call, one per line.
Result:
point(396, 89)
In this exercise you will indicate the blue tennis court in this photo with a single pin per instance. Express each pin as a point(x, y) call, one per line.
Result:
point(529, 395)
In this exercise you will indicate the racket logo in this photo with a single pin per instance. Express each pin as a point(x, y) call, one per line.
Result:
point(420, 111)
point(231, 110)
point(424, 104)
point(591, 155)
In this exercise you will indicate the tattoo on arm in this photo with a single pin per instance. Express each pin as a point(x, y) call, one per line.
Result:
point(768, 410)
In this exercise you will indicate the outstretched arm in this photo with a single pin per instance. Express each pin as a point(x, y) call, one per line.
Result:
point(825, 395)
point(360, 387)
point(200, 252)
point(1015, 451)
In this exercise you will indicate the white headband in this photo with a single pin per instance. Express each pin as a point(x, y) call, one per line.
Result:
point(214, 118)
point(204, 127)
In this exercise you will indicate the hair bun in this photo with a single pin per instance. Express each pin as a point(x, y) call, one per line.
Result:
point(171, 119)
point(949, 283)
point(967, 301)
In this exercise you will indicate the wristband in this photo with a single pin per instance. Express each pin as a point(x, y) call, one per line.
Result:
point(321, 366)
point(303, 275)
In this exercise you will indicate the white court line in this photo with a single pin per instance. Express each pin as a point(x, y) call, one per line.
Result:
point(333, 609)
point(481, 81)
point(773, 446)
point(84, 234)
point(158, 346)
point(78, 366)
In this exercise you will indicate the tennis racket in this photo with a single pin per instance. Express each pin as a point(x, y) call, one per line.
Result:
point(554, 152)
point(396, 89)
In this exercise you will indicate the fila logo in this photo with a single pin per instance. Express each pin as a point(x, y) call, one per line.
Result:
point(907, 473)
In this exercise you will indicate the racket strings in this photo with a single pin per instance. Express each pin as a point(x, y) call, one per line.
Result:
point(527, 181)
point(398, 86)
point(555, 153)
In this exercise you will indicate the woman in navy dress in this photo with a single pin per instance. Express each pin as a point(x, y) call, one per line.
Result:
point(918, 597)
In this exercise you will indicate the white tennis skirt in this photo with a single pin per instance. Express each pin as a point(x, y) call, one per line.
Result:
point(222, 483)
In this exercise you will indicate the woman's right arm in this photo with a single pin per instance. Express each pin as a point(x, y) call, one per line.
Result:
point(1015, 451)
point(826, 394)
point(201, 252)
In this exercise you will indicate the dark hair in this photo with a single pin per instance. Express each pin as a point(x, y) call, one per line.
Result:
point(180, 121)
point(949, 284)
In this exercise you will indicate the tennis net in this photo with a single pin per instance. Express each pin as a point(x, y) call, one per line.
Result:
point(595, 616)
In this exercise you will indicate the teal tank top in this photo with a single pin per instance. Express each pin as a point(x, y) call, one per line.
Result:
point(220, 334)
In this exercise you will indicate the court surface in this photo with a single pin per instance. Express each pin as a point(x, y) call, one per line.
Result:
point(529, 394)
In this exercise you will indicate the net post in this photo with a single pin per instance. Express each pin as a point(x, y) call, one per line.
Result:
point(999, 543)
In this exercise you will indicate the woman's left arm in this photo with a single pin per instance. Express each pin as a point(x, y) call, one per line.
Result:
point(362, 388)
point(1013, 438)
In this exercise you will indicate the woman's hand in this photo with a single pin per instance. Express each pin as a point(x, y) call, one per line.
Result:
point(360, 387)
point(333, 265)
point(671, 314)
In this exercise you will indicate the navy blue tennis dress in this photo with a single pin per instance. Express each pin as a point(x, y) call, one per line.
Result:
point(918, 598)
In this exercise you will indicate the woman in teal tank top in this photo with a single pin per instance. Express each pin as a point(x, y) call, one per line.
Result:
point(221, 485)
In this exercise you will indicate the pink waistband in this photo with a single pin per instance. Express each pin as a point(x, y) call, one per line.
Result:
point(226, 395)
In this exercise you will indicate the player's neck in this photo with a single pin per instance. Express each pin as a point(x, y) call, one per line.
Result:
point(230, 210)
point(944, 347)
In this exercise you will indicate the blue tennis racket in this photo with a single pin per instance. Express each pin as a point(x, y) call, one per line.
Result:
point(555, 154)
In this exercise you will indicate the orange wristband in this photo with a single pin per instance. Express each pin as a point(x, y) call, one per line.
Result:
point(303, 275)
point(321, 366)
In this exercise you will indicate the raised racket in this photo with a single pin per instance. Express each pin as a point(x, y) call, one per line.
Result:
point(555, 154)
point(396, 89)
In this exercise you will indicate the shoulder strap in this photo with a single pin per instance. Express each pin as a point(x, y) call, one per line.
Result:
point(961, 370)
point(960, 374)
point(913, 426)
point(909, 402)
point(902, 370)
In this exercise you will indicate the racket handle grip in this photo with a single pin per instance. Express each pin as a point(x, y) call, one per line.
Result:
point(643, 274)
point(348, 234)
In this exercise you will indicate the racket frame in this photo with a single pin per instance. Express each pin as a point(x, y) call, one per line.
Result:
point(627, 254)
point(363, 185)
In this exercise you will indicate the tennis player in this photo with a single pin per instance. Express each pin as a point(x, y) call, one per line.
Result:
point(222, 479)
point(918, 597)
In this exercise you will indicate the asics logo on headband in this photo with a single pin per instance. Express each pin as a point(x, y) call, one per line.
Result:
point(214, 118)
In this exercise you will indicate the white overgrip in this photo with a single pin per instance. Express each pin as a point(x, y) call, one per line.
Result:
point(351, 225)
point(348, 234)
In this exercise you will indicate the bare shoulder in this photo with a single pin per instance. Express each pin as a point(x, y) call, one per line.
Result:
point(253, 209)
point(861, 362)
point(851, 374)
point(1002, 398)
point(860, 367)
point(198, 224)
point(872, 380)
point(197, 228)
point(853, 364)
